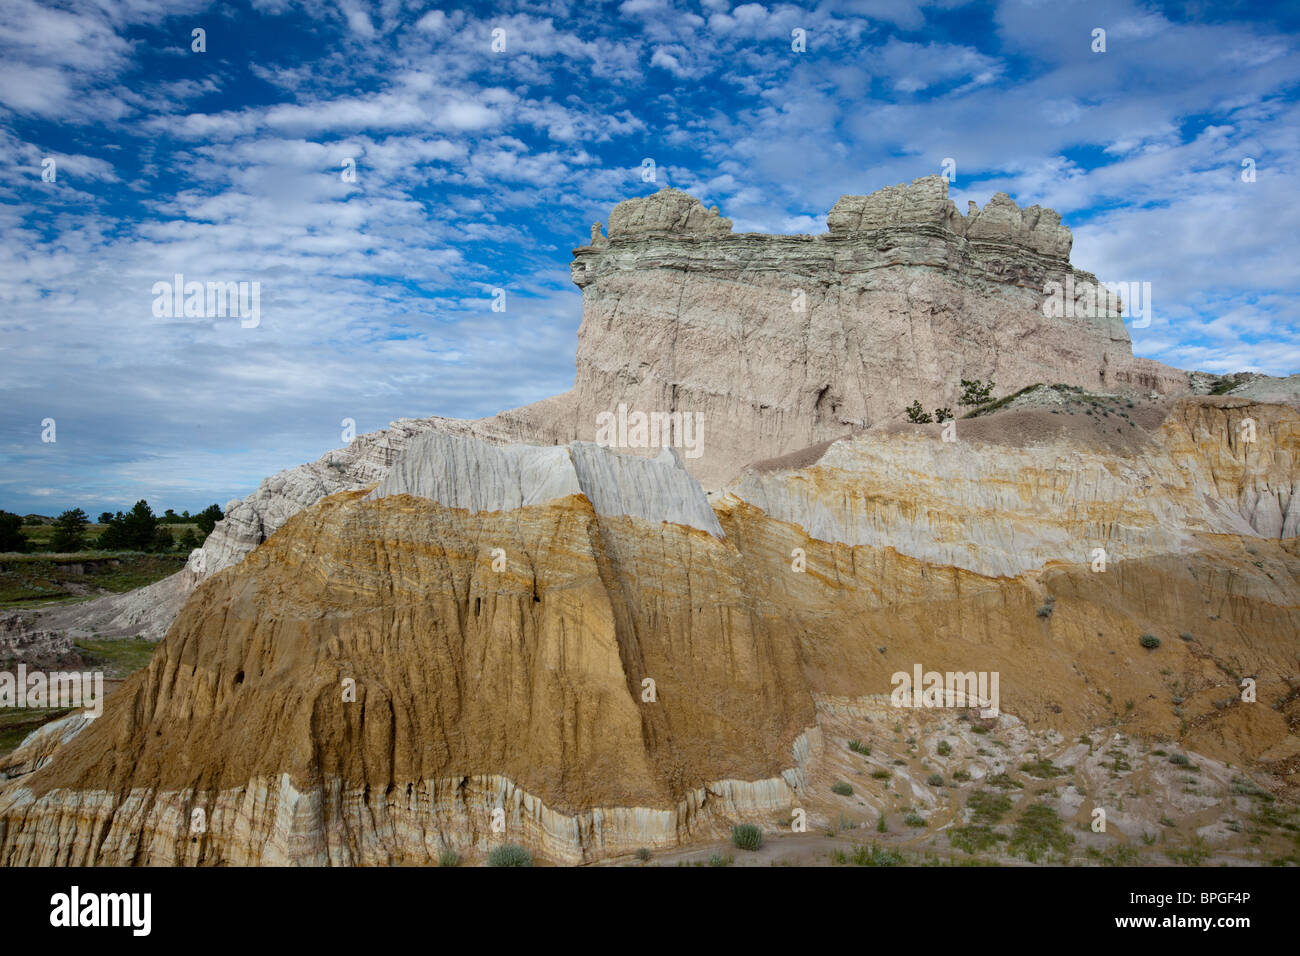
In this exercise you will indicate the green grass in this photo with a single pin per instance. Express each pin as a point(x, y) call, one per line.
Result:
point(987, 807)
point(30, 579)
point(116, 658)
point(1193, 855)
point(994, 405)
point(868, 856)
point(1039, 835)
point(1116, 856)
point(1248, 788)
point(17, 722)
point(1003, 782)
point(448, 857)
point(1042, 768)
point(858, 747)
point(977, 838)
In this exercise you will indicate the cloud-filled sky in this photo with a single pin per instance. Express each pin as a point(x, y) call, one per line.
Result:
point(479, 169)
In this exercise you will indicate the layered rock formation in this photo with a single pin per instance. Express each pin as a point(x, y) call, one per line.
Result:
point(372, 662)
point(773, 343)
point(476, 633)
point(374, 653)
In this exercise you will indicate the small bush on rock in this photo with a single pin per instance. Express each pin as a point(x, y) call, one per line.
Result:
point(746, 836)
point(508, 854)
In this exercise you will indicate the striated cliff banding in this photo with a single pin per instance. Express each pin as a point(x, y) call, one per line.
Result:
point(902, 298)
point(521, 688)
point(496, 592)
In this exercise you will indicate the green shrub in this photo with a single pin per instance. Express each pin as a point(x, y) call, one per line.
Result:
point(448, 857)
point(975, 392)
point(875, 775)
point(719, 860)
point(974, 839)
point(987, 807)
point(643, 854)
point(842, 788)
point(918, 415)
point(1193, 855)
point(509, 854)
point(1039, 834)
point(876, 857)
point(1042, 768)
point(881, 825)
point(1179, 760)
point(858, 747)
point(961, 775)
point(1150, 641)
point(1116, 856)
point(944, 748)
point(934, 780)
point(914, 819)
point(746, 836)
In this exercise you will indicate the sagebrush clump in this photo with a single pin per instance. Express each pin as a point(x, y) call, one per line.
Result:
point(746, 836)
point(509, 854)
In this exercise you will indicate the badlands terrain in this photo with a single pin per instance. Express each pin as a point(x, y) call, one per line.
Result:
point(453, 635)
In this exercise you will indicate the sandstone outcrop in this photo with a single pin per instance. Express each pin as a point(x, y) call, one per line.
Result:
point(373, 682)
point(375, 654)
point(773, 343)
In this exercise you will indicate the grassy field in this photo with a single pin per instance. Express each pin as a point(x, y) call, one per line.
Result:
point(29, 580)
point(117, 659)
point(17, 722)
point(40, 535)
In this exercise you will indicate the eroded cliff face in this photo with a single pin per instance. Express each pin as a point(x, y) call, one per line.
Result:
point(779, 342)
point(475, 686)
point(498, 644)
point(771, 343)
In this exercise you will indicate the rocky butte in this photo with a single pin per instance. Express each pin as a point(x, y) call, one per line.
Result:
point(631, 648)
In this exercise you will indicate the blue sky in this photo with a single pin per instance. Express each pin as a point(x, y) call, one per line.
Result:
point(478, 170)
